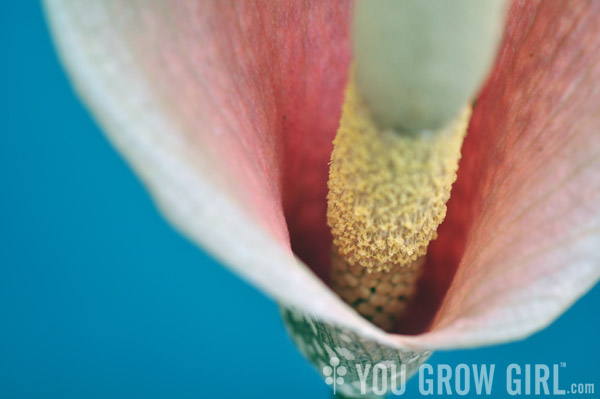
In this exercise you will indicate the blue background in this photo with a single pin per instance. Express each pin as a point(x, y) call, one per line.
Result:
point(100, 298)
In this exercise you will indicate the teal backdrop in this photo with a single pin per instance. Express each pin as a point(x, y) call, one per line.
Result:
point(101, 298)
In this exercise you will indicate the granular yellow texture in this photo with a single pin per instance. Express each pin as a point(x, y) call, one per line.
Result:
point(388, 190)
point(379, 296)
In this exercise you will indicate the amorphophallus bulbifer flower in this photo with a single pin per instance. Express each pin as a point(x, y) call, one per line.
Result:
point(228, 111)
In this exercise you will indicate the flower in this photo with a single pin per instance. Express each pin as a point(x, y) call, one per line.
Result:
point(227, 111)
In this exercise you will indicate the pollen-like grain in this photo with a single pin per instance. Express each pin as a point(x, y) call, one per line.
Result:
point(388, 191)
point(387, 196)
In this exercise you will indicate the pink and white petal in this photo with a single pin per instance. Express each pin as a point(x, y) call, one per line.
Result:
point(529, 182)
point(207, 101)
point(198, 110)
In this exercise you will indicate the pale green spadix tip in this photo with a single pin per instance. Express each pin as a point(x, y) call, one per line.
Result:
point(419, 62)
